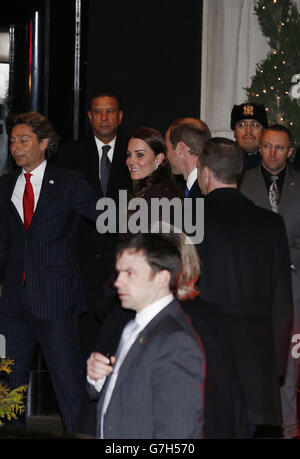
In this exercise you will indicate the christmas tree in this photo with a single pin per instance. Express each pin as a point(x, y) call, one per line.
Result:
point(11, 401)
point(276, 83)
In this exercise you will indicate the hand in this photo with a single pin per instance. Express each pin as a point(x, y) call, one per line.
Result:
point(99, 366)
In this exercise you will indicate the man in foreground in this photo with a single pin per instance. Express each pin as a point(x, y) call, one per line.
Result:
point(153, 387)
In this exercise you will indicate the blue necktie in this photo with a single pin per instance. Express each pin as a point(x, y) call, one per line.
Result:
point(186, 191)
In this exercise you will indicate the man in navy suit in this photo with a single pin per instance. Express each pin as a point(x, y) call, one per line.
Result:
point(85, 155)
point(185, 139)
point(153, 388)
point(42, 294)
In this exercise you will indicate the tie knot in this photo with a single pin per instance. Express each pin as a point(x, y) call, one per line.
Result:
point(130, 327)
point(274, 178)
point(27, 176)
point(105, 149)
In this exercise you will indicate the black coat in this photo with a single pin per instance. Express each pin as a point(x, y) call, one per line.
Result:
point(246, 271)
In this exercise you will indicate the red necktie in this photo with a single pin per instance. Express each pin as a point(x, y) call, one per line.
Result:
point(28, 201)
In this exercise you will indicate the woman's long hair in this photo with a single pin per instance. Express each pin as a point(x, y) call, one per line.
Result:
point(162, 176)
point(191, 270)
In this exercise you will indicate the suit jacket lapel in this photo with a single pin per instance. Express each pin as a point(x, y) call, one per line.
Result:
point(143, 338)
point(261, 193)
point(288, 189)
point(47, 187)
point(11, 186)
point(92, 164)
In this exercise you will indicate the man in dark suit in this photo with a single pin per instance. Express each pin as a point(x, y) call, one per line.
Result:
point(87, 155)
point(275, 185)
point(153, 389)
point(248, 122)
point(42, 290)
point(246, 271)
point(185, 138)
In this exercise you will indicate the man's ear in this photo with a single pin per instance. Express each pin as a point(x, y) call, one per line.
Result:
point(163, 278)
point(44, 144)
point(181, 148)
point(206, 173)
point(291, 151)
point(120, 116)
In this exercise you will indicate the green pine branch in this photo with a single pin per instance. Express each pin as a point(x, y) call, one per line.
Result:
point(272, 84)
point(11, 401)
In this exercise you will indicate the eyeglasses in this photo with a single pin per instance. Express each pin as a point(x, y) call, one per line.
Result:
point(277, 148)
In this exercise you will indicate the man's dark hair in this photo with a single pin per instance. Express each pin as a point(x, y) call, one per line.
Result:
point(105, 93)
point(160, 254)
point(40, 126)
point(224, 158)
point(281, 128)
point(193, 134)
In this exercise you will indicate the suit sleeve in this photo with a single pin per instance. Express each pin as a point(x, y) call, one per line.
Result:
point(282, 298)
point(84, 199)
point(178, 380)
point(4, 231)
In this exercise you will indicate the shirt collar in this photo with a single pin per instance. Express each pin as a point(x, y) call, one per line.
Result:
point(100, 144)
point(144, 316)
point(38, 171)
point(267, 174)
point(191, 178)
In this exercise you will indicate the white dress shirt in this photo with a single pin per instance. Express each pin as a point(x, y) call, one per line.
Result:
point(142, 317)
point(191, 178)
point(110, 153)
point(36, 180)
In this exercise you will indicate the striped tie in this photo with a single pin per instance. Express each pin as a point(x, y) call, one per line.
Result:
point(104, 168)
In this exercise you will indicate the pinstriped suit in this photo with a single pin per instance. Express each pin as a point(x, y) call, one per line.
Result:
point(46, 308)
point(159, 390)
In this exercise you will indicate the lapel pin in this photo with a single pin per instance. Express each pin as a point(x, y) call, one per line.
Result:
point(51, 182)
point(143, 340)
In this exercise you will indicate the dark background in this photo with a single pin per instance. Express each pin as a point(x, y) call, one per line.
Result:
point(149, 51)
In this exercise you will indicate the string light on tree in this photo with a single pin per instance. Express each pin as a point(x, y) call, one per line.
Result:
point(276, 83)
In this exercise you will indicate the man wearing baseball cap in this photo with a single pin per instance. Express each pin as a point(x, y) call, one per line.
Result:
point(248, 122)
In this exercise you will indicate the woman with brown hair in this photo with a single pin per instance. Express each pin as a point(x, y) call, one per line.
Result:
point(148, 165)
point(151, 173)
